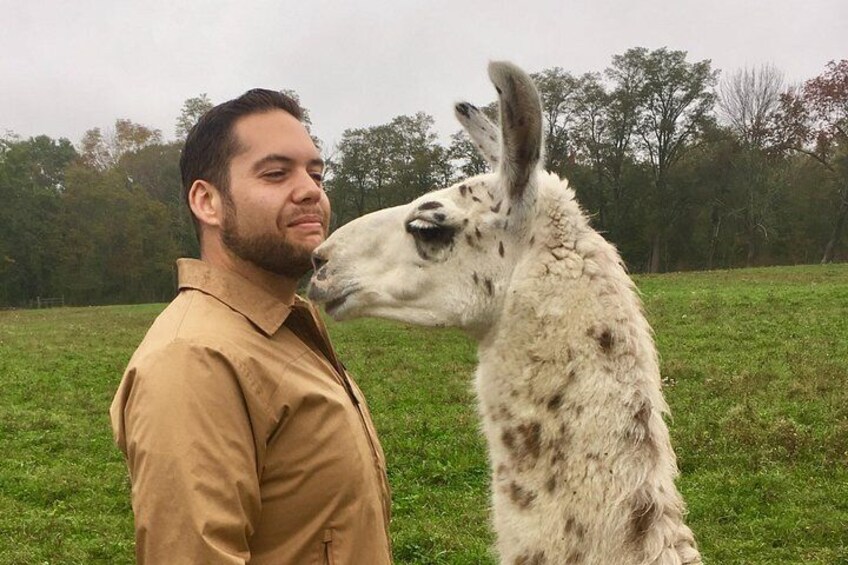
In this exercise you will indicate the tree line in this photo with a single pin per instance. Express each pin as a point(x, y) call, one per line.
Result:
point(679, 167)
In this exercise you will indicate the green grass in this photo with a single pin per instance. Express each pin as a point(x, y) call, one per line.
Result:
point(756, 366)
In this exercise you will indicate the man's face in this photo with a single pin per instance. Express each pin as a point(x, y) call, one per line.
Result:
point(277, 211)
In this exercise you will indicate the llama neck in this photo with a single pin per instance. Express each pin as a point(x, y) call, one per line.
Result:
point(570, 396)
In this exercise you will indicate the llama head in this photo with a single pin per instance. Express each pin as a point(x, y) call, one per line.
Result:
point(446, 258)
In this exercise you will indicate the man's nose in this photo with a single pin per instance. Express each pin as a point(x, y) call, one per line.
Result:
point(306, 188)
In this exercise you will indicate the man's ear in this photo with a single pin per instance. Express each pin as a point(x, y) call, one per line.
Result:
point(206, 203)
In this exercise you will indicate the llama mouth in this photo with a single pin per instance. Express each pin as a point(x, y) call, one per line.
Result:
point(336, 303)
point(332, 304)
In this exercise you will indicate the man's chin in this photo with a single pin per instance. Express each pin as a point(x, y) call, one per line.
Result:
point(291, 262)
point(310, 239)
point(289, 256)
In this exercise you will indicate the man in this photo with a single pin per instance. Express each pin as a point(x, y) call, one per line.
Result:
point(246, 441)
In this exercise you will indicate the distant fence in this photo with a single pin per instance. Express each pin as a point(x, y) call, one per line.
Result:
point(47, 302)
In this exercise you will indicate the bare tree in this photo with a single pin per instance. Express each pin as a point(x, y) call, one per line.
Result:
point(748, 100)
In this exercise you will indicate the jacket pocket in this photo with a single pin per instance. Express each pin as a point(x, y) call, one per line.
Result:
point(328, 548)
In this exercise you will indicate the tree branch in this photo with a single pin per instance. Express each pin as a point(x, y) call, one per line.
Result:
point(815, 156)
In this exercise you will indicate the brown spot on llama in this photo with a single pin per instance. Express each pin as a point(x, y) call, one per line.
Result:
point(639, 433)
point(520, 496)
point(604, 338)
point(531, 437)
point(574, 528)
point(524, 442)
point(574, 558)
point(508, 439)
point(644, 513)
point(537, 558)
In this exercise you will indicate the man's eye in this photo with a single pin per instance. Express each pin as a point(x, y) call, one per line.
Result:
point(317, 177)
point(274, 175)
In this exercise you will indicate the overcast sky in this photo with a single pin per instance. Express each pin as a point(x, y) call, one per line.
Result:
point(66, 67)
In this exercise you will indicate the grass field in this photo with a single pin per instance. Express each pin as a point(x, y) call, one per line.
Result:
point(756, 370)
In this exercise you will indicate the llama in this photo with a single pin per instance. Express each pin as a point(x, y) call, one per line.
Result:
point(568, 383)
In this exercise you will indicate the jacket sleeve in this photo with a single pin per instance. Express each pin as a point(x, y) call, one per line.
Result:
point(181, 419)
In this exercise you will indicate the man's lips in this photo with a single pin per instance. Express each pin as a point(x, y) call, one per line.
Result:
point(307, 221)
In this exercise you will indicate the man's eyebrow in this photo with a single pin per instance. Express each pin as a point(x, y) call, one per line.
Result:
point(276, 158)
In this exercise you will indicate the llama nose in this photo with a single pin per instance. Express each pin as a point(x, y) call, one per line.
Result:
point(318, 263)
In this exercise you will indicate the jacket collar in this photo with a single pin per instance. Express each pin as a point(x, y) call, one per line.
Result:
point(264, 310)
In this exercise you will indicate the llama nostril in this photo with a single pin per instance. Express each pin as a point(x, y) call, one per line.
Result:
point(318, 262)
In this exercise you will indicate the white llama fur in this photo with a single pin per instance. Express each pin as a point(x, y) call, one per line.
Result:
point(568, 381)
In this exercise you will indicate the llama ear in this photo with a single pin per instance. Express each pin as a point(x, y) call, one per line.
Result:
point(483, 133)
point(521, 126)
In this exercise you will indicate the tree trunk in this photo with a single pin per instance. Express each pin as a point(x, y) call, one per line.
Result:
point(830, 248)
point(656, 247)
point(752, 249)
point(715, 219)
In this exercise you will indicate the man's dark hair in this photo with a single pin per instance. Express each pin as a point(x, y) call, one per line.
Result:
point(211, 143)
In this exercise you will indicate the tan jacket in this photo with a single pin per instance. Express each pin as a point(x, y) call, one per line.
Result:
point(246, 441)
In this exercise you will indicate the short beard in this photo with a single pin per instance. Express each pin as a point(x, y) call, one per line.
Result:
point(267, 251)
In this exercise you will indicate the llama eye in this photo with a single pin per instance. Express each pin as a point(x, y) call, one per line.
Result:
point(425, 231)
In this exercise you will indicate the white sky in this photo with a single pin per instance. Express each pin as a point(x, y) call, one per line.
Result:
point(68, 66)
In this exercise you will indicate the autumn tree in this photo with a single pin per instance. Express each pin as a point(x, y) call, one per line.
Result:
point(192, 109)
point(101, 150)
point(814, 121)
